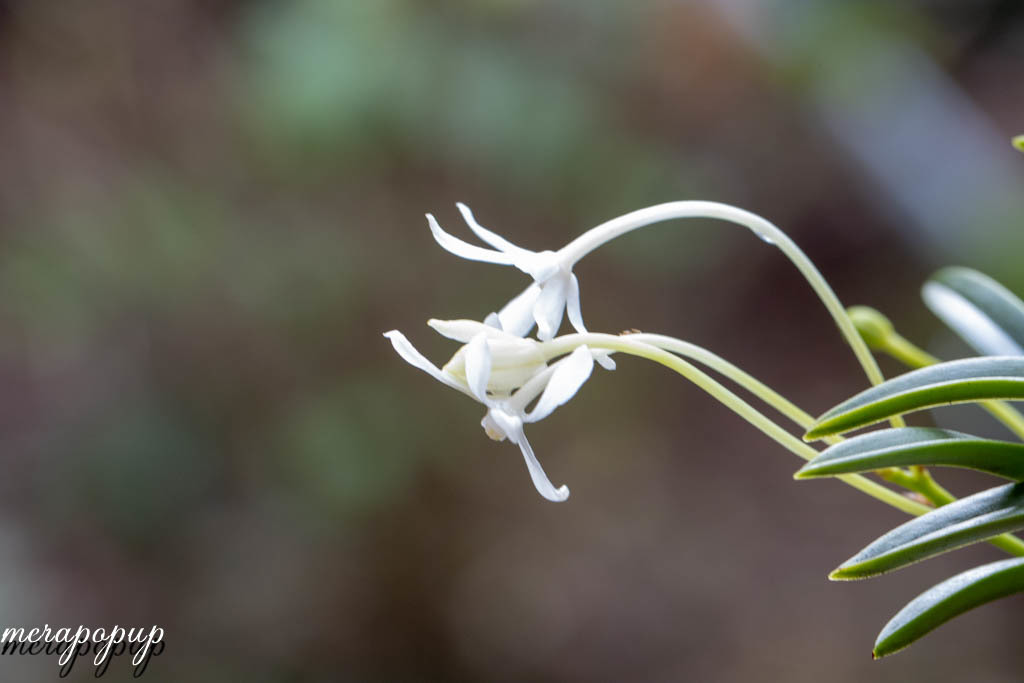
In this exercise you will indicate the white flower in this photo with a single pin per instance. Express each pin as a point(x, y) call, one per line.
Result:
point(555, 288)
point(505, 373)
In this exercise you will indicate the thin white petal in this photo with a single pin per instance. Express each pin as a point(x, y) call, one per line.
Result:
point(478, 366)
point(572, 304)
point(540, 479)
point(517, 315)
point(493, 239)
point(513, 428)
point(549, 307)
point(464, 249)
point(413, 357)
point(540, 265)
point(492, 320)
point(462, 330)
point(569, 375)
point(533, 388)
point(604, 359)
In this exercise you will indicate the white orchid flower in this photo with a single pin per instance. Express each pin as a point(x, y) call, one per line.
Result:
point(555, 290)
point(505, 373)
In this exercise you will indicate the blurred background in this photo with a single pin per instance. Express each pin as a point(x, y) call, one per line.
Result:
point(210, 210)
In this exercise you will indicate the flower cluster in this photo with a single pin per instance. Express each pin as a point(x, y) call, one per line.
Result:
point(554, 287)
point(497, 365)
point(500, 367)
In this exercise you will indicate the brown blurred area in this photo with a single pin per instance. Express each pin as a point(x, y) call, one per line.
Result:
point(210, 211)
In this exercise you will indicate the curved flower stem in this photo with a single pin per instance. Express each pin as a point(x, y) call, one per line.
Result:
point(916, 479)
point(657, 348)
point(601, 234)
point(626, 345)
point(709, 359)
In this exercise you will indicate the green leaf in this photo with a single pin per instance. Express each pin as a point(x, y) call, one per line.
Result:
point(958, 381)
point(949, 599)
point(917, 446)
point(985, 314)
point(969, 520)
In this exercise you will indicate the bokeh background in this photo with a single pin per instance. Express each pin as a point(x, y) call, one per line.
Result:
point(211, 209)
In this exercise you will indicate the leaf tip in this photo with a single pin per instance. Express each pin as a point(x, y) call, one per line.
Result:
point(886, 645)
point(815, 433)
point(842, 573)
point(874, 328)
point(882, 649)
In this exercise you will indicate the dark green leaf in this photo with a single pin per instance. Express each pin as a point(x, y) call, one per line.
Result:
point(917, 446)
point(966, 521)
point(949, 599)
point(971, 379)
point(985, 314)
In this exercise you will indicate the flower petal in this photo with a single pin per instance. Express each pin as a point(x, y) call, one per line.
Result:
point(572, 304)
point(569, 375)
point(512, 426)
point(413, 357)
point(540, 479)
point(493, 239)
point(572, 307)
point(464, 249)
point(463, 330)
point(549, 307)
point(492, 320)
point(478, 366)
point(517, 315)
point(540, 265)
point(492, 428)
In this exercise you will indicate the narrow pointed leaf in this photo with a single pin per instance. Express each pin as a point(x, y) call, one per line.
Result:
point(917, 446)
point(949, 599)
point(958, 381)
point(969, 520)
point(985, 314)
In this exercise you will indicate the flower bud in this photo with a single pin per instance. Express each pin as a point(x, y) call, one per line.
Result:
point(874, 328)
point(513, 362)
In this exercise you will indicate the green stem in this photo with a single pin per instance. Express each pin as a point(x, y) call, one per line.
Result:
point(709, 359)
point(657, 348)
point(624, 344)
point(745, 380)
point(766, 230)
